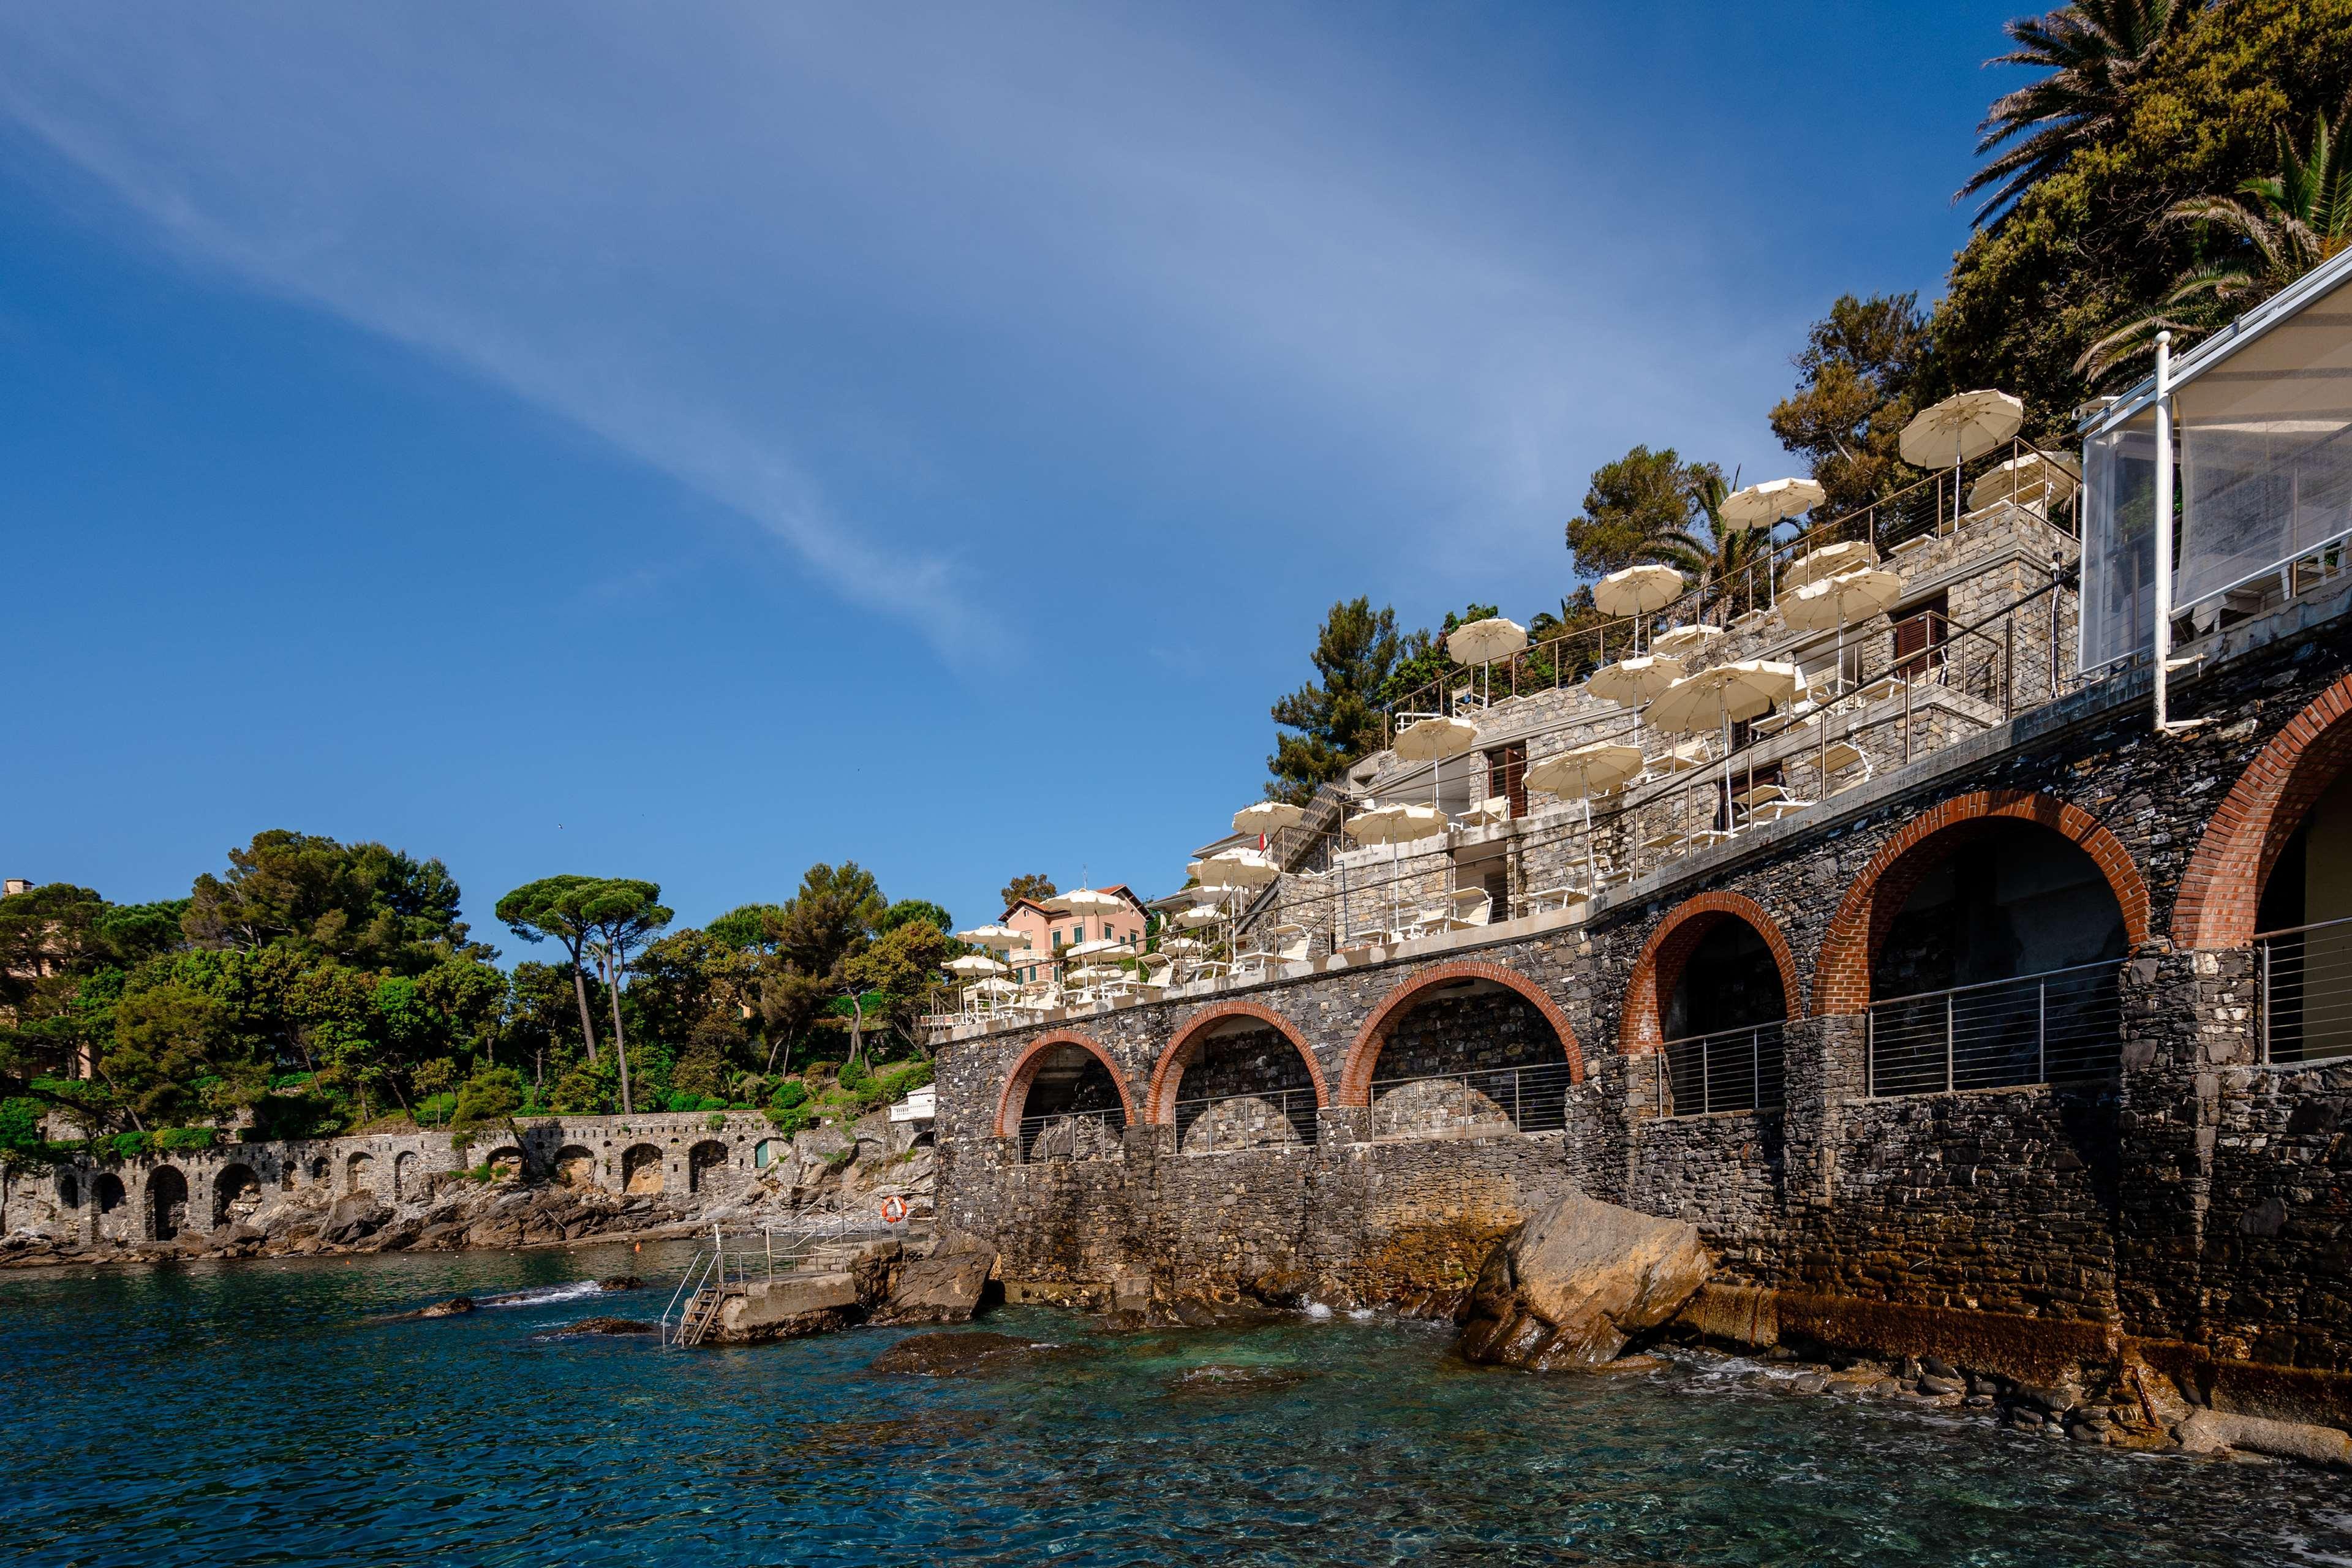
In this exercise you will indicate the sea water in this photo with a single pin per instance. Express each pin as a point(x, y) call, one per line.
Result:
point(266, 1412)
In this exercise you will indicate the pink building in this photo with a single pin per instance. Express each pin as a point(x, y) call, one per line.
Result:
point(1049, 932)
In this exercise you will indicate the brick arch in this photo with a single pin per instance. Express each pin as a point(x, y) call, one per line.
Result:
point(1356, 1077)
point(1024, 1072)
point(1842, 971)
point(1659, 969)
point(2222, 889)
point(1159, 1101)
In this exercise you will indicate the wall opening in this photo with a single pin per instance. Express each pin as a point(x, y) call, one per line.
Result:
point(167, 1203)
point(1723, 1020)
point(641, 1170)
point(575, 1166)
point(110, 1191)
point(704, 1160)
point(506, 1165)
point(236, 1196)
point(2305, 919)
point(1468, 1056)
point(1241, 1083)
point(1069, 1108)
point(319, 1169)
point(68, 1191)
point(359, 1173)
point(404, 1176)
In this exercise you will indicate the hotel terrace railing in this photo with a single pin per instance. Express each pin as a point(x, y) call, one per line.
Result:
point(1222, 1123)
point(2062, 1026)
point(1731, 1069)
point(1492, 1100)
point(2306, 993)
point(1073, 1135)
point(1914, 512)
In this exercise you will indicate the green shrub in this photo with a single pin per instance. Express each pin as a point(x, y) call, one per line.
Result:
point(900, 1081)
point(125, 1145)
point(491, 1095)
point(789, 1093)
point(717, 1119)
point(434, 1110)
point(20, 1123)
point(172, 1139)
point(788, 1119)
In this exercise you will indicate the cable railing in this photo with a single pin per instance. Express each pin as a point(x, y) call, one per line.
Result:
point(1927, 506)
point(1222, 1123)
point(2062, 1026)
point(1730, 1069)
point(728, 1264)
point(1073, 1135)
point(1481, 1100)
point(2306, 993)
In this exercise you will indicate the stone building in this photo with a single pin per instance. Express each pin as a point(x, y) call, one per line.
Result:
point(2028, 1040)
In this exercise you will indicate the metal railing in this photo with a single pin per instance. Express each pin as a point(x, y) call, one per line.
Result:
point(1073, 1135)
point(1490, 1099)
point(2307, 992)
point(2062, 1025)
point(1731, 1069)
point(1219, 1125)
point(726, 1264)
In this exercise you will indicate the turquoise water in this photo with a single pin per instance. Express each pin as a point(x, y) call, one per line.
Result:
point(253, 1413)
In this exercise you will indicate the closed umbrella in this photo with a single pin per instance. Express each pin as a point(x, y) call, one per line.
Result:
point(1633, 681)
point(1846, 556)
point(1636, 591)
point(1684, 641)
point(1965, 424)
point(2029, 479)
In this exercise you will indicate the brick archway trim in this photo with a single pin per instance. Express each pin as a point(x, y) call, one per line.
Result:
point(2222, 889)
point(1168, 1073)
point(1024, 1072)
point(1659, 969)
point(1842, 971)
point(1356, 1077)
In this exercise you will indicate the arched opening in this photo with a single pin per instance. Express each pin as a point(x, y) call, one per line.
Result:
point(1723, 1008)
point(108, 1187)
point(404, 1176)
point(504, 1163)
point(236, 1196)
point(1993, 961)
point(1464, 1055)
point(286, 1173)
point(1063, 1102)
point(167, 1203)
point(1239, 1081)
point(359, 1173)
point(704, 1161)
point(641, 1170)
point(765, 1153)
point(2304, 940)
point(575, 1166)
point(319, 1169)
point(68, 1191)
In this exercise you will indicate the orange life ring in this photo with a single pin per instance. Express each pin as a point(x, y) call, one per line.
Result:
point(893, 1210)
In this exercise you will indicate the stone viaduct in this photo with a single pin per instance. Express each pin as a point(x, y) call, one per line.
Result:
point(2181, 1193)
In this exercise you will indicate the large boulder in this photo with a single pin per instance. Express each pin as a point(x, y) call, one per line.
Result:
point(353, 1218)
point(1578, 1282)
point(938, 1289)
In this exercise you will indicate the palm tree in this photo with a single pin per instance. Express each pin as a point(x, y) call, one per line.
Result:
point(1703, 548)
point(2094, 50)
point(2284, 224)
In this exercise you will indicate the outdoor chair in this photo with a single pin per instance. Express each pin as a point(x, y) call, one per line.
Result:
point(1293, 943)
point(1472, 906)
point(1838, 757)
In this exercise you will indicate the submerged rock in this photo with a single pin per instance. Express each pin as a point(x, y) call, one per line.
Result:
point(1215, 1379)
point(604, 1326)
point(961, 1352)
point(1577, 1282)
point(2213, 1432)
point(621, 1282)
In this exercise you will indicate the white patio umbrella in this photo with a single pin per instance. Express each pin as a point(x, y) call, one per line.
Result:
point(994, 987)
point(1845, 600)
point(1237, 868)
point(974, 963)
point(1771, 503)
point(1684, 641)
point(1096, 974)
point(995, 938)
point(1845, 555)
point(1433, 740)
point(1267, 816)
point(1200, 915)
point(1583, 772)
point(1088, 949)
point(2028, 479)
point(1392, 825)
point(1636, 591)
point(1965, 424)
point(1633, 681)
point(1083, 900)
point(1484, 641)
point(1724, 695)
point(1184, 944)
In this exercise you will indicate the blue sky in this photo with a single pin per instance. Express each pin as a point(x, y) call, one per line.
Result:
point(694, 442)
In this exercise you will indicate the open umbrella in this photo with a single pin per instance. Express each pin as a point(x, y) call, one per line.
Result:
point(1088, 948)
point(1845, 600)
point(974, 963)
point(995, 938)
point(1846, 556)
point(1237, 868)
point(1394, 824)
point(1723, 696)
point(1267, 816)
point(1184, 944)
point(1583, 772)
point(1483, 642)
point(1965, 424)
point(1771, 503)
point(1083, 900)
point(2029, 478)
point(1633, 681)
point(1684, 641)
point(1200, 915)
point(1433, 740)
point(1636, 591)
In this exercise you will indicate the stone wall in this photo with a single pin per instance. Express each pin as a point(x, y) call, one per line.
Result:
point(2190, 1196)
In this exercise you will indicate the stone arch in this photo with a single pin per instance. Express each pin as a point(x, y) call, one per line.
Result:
point(404, 1174)
point(68, 1190)
point(2222, 888)
point(319, 1168)
point(108, 1190)
point(237, 1193)
point(1015, 1092)
point(1356, 1077)
point(1168, 1073)
point(641, 1169)
point(1659, 969)
point(1841, 970)
point(704, 1160)
point(575, 1165)
point(506, 1163)
point(360, 1173)
point(167, 1203)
